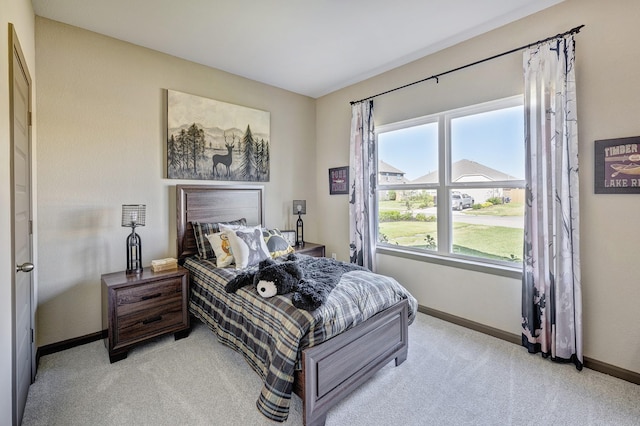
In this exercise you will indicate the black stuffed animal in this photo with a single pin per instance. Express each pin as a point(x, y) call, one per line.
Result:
point(310, 279)
point(277, 278)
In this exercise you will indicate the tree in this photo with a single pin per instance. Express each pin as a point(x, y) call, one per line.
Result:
point(173, 160)
point(248, 158)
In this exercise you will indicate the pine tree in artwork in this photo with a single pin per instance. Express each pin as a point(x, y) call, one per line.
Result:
point(195, 138)
point(172, 155)
point(248, 165)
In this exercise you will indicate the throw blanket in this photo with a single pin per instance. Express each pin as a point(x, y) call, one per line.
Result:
point(271, 333)
point(320, 276)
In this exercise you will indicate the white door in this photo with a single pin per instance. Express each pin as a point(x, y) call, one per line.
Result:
point(20, 107)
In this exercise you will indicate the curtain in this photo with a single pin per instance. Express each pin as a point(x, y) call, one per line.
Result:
point(362, 184)
point(551, 291)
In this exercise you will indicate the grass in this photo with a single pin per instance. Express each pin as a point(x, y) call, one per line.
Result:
point(509, 209)
point(492, 242)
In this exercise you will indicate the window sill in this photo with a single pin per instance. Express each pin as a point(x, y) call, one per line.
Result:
point(454, 262)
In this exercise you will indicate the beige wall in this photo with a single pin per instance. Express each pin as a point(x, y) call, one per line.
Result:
point(20, 14)
point(608, 105)
point(102, 145)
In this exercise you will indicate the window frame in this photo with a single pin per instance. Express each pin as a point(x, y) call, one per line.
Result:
point(444, 254)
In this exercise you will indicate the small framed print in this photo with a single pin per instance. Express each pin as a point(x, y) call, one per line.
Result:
point(290, 237)
point(617, 166)
point(339, 180)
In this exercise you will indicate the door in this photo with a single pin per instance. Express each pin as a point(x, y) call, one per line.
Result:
point(21, 226)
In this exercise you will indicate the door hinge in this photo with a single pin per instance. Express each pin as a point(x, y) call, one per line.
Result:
point(32, 335)
point(29, 118)
point(31, 227)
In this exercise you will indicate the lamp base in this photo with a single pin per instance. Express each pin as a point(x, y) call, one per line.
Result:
point(136, 271)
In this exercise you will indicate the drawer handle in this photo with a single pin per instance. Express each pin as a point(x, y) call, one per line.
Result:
point(153, 296)
point(154, 319)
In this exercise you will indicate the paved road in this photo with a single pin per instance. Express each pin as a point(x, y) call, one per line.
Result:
point(466, 216)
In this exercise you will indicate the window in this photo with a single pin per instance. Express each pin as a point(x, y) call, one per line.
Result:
point(452, 184)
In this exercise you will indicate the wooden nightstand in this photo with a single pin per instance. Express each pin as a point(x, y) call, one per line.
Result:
point(311, 249)
point(136, 308)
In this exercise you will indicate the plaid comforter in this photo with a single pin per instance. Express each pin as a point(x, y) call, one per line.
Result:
point(271, 333)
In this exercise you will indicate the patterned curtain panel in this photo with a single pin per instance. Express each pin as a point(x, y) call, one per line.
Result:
point(363, 186)
point(551, 291)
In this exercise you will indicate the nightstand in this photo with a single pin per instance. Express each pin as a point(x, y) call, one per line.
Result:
point(136, 308)
point(311, 249)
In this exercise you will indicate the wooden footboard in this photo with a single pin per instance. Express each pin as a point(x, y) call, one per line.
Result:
point(336, 367)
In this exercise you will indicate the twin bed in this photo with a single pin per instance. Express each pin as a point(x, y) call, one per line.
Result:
point(321, 355)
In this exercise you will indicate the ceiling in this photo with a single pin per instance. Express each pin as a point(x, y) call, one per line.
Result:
point(308, 47)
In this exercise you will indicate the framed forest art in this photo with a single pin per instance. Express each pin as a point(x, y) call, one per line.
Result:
point(214, 140)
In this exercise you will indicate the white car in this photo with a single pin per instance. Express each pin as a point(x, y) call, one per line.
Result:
point(461, 201)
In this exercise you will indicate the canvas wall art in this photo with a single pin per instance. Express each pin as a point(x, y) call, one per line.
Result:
point(617, 166)
point(213, 140)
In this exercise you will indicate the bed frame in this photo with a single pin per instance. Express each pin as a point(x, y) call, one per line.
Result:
point(330, 370)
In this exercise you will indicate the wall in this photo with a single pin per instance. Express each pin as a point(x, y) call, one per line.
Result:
point(606, 65)
point(102, 145)
point(20, 14)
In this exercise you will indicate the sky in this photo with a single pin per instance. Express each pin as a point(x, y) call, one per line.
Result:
point(494, 139)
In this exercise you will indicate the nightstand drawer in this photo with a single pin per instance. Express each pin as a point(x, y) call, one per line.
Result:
point(142, 297)
point(148, 322)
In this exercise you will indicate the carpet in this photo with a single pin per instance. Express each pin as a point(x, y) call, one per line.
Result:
point(453, 376)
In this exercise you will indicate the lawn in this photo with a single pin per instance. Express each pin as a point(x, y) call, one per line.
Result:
point(493, 242)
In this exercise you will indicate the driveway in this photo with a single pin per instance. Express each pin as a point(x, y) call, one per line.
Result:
point(466, 216)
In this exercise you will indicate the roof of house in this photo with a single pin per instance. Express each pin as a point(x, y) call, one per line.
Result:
point(464, 169)
point(388, 168)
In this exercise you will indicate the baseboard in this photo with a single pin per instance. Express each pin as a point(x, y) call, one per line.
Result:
point(68, 344)
point(592, 364)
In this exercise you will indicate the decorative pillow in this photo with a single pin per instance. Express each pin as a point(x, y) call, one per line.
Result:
point(247, 245)
point(221, 247)
point(276, 243)
point(202, 229)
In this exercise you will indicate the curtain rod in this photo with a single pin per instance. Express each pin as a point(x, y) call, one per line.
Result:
point(435, 77)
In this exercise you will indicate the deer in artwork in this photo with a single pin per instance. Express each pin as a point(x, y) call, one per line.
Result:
point(223, 159)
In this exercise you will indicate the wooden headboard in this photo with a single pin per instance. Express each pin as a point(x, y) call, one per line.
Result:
point(214, 203)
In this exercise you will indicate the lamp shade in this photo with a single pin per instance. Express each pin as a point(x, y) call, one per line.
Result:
point(134, 214)
point(299, 206)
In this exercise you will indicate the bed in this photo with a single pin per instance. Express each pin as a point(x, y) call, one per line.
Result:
point(328, 365)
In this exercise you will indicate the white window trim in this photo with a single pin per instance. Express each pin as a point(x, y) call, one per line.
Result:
point(444, 255)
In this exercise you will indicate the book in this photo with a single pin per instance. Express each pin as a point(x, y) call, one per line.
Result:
point(164, 264)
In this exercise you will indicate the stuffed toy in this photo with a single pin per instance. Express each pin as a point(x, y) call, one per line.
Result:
point(310, 279)
point(272, 277)
point(277, 278)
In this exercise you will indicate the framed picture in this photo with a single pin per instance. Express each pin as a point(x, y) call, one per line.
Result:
point(339, 180)
point(290, 237)
point(214, 140)
point(617, 166)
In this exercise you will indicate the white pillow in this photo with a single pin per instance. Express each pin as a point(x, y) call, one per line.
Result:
point(221, 247)
point(247, 245)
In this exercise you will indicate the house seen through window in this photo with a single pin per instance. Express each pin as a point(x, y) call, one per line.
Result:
point(452, 183)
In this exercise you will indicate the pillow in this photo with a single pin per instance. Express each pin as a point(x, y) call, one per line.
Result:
point(247, 245)
point(220, 244)
point(276, 244)
point(201, 230)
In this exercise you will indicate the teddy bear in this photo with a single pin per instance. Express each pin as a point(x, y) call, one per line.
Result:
point(272, 277)
point(310, 279)
point(277, 277)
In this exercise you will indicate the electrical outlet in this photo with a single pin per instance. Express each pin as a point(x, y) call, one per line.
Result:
point(333, 256)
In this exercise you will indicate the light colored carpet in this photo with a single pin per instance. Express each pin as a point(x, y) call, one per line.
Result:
point(453, 376)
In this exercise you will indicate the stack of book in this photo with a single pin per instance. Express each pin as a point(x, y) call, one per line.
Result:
point(164, 264)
